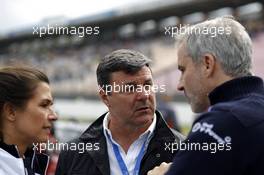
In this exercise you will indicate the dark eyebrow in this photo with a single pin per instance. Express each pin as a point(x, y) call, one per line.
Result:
point(46, 100)
point(135, 83)
point(130, 83)
point(149, 81)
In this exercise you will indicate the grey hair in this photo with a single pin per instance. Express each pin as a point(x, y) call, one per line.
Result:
point(128, 61)
point(232, 48)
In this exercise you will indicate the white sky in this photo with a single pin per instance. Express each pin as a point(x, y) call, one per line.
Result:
point(16, 14)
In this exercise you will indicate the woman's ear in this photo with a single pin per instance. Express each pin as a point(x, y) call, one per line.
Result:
point(9, 112)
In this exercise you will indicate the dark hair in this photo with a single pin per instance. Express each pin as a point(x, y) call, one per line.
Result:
point(17, 85)
point(128, 61)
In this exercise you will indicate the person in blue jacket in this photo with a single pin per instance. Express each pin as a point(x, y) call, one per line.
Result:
point(228, 136)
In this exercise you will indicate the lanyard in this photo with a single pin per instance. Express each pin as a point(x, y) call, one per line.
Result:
point(121, 162)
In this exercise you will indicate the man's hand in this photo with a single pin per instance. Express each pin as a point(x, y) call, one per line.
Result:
point(160, 170)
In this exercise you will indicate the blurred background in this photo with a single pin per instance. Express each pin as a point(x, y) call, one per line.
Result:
point(71, 60)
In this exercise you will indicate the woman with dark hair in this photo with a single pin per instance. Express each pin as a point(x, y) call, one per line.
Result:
point(26, 117)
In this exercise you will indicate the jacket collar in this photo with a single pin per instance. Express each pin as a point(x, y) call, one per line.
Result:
point(11, 149)
point(236, 88)
point(95, 130)
point(162, 133)
point(38, 164)
point(94, 133)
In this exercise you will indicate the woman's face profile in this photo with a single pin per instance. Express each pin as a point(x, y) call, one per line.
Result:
point(34, 121)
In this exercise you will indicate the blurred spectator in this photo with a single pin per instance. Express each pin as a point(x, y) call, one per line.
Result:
point(168, 112)
point(71, 69)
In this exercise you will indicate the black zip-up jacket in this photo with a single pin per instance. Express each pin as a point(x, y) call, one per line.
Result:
point(96, 162)
point(231, 133)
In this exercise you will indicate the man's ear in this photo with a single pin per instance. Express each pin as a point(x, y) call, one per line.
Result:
point(104, 97)
point(9, 112)
point(209, 64)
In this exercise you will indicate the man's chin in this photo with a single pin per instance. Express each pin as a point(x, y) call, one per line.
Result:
point(144, 120)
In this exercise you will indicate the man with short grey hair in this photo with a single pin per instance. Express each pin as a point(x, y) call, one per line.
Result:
point(132, 135)
point(228, 137)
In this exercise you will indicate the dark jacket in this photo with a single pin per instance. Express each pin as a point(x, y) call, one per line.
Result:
point(96, 162)
point(233, 128)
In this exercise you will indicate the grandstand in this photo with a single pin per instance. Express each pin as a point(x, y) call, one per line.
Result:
point(70, 60)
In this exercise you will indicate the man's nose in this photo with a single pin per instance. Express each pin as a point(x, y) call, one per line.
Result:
point(143, 94)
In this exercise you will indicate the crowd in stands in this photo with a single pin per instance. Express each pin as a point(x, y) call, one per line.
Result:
point(73, 68)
